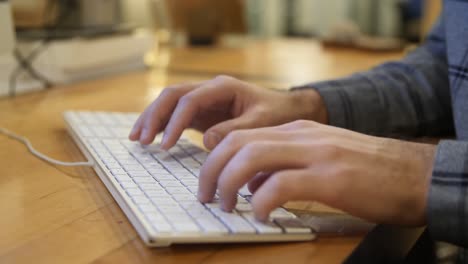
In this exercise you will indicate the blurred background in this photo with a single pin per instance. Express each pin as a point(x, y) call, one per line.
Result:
point(50, 42)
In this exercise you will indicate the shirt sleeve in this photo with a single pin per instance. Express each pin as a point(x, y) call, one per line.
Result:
point(410, 97)
point(448, 195)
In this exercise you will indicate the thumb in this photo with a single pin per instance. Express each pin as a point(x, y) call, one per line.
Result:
point(218, 132)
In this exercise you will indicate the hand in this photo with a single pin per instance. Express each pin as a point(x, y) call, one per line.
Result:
point(378, 179)
point(220, 106)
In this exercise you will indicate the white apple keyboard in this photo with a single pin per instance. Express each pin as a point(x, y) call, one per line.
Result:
point(157, 189)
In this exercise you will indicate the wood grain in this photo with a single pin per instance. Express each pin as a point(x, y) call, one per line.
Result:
point(65, 215)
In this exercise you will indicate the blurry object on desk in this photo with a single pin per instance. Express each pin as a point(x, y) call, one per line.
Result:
point(316, 18)
point(23, 81)
point(269, 18)
point(7, 60)
point(204, 20)
point(34, 13)
point(72, 40)
point(66, 13)
point(140, 13)
point(349, 35)
point(381, 18)
point(92, 13)
point(70, 60)
point(6, 29)
point(372, 25)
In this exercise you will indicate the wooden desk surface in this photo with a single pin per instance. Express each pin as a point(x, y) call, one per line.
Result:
point(65, 215)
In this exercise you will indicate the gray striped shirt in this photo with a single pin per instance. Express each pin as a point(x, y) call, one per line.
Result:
point(424, 94)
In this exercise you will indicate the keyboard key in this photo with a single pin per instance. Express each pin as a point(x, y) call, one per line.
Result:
point(163, 177)
point(244, 207)
point(234, 222)
point(163, 185)
point(170, 209)
point(165, 202)
point(281, 213)
point(147, 208)
point(134, 192)
point(194, 207)
point(174, 190)
point(162, 227)
point(151, 186)
point(118, 171)
point(292, 225)
point(133, 167)
point(144, 180)
point(157, 195)
point(186, 226)
point(211, 225)
point(190, 182)
point(171, 183)
point(85, 131)
point(123, 178)
point(193, 189)
point(129, 185)
point(184, 197)
point(141, 199)
point(262, 228)
point(137, 174)
point(244, 191)
point(112, 165)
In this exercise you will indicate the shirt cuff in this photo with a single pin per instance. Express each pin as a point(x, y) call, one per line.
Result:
point(448, 195)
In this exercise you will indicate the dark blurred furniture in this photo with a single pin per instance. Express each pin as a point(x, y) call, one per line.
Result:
point(204, 20)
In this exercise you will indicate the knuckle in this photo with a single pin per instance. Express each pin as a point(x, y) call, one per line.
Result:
point(330, 150)
point(173, 90)
point(300, 124)
point(234, 137)
point(331, 196)
point(186, 100)
point(338, 184)
point(223, 78)
point(279, 184)
point(167, 92)
point(253, 150)
point(177, 87)
point(224, 184)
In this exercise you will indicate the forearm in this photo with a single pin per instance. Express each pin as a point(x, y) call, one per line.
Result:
point(398, 98)
point(410, 97)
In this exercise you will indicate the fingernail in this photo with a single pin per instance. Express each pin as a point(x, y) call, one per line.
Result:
point(133, 132)
point(164, 141)
point(144, 135)
point(200, 196)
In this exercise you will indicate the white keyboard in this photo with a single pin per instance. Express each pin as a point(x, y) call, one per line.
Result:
point(157, 189)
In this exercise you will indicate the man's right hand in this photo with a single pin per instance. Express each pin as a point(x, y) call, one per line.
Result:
point(221, 105)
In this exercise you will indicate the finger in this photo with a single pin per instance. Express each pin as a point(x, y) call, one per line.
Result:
point(257, 181)
point(157, 114)
point(279, 188)
point(224, 151)
point(251, 159)
point(210, 93)
point(217, 133)
point(299, 125)
point(136, 130)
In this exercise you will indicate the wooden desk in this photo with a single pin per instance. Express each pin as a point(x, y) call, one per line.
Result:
point(65, 215)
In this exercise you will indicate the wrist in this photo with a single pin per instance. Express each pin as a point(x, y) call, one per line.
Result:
point(311, 105)
point(415, 164)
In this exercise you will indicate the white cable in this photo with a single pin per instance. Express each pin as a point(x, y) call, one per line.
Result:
point(36, 153)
